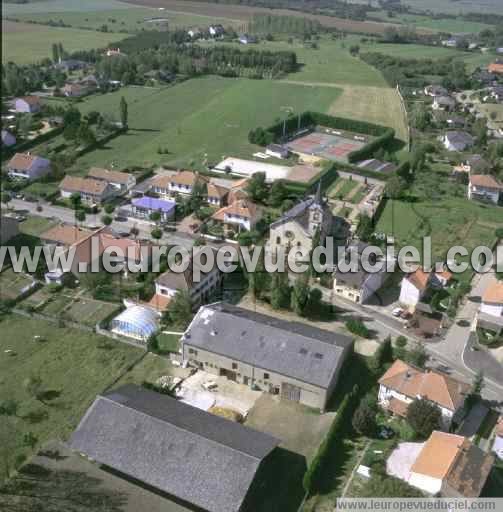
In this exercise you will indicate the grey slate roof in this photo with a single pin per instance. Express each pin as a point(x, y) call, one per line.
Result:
point(188, 453)
point(291, 349)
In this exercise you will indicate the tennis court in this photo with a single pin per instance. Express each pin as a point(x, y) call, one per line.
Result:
point(329, 144)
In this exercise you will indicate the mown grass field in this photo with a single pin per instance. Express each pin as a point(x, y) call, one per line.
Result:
point(45, 6)
point(206, 118)
point(74, 367)
point(24, 43)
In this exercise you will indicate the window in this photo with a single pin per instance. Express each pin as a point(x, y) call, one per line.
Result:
point(192, 351)
point(266, 376)
point(234, 366)
point(278, 240)
point(290, 235)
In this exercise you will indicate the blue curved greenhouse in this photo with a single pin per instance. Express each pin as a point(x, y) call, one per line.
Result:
point(136, 322)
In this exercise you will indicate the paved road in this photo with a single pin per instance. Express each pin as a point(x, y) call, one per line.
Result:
point(450, 353)
point(62, 214)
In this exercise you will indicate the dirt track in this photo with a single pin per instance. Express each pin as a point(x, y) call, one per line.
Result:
point(245, 13)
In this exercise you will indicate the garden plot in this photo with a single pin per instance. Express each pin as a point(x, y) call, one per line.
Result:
point(13, 285)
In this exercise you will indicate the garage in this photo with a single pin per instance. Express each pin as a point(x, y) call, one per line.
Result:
point(290, 392)
point(229, 374)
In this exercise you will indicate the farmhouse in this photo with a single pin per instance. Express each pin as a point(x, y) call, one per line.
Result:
point(443, 103)
point(484, 187)
point(26, 166)
point(144, 207)
point(450, 465)
point(199, 459)
point(457, 141)
point(238, 216)
point(121, 181)
point(216, 30)
point(9, 228)
point(296, 361)
point(169, 283)
point(491, 308)
point(403, 383)
point(27, 104)
point(299, 226)
point(8, 139)
point(91, 191)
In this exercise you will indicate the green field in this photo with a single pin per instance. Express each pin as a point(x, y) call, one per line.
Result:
point(24, 43)
point(45, 6)
point(331, 63)
point(127, 17)
point(208, 116)
point(453, 26)
point(73, 366)
point(456, 7)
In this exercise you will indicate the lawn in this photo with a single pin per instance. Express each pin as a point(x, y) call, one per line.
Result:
point(24, 43)
point(34, 226)
point(73, 366)
point(169, 342)
point(206, 118)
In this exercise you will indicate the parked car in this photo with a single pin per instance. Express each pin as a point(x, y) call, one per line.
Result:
point(209, 385)
point(397, 312)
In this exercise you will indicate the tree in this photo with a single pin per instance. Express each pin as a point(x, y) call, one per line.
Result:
point(8, 446)
point(80, 215)
point(179, 312)
point(357, 327)
point(314, 303)
point(364, 421)
point(109, 208)
point(107, 220)
point(424, 417)
point(300, 295)
point(155, 216)
point(476, 389)
point(55, 53)
point(75, 200)
point(280, 290)
point(258, 279)
point(8, 407)
point(156, 233)
point(30, 439)
point(417, 356)
point(25, 124)
point(257, 187)
point(395, 187)
point(382, 356)
point(33, 386)
point(123, 112)
point(278, 194)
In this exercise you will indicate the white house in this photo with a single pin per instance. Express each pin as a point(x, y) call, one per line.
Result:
point(403, 383)
point(435, 90)
point(91, 191)
point(238, 216)
point(8, 139)
point(182, 182)
point(449, 465)
point(121, 181)
point(26, 166)
point(484, 187)
point(457, 141)
point(277, 151)
point(413, 288)
point(491, 308)
point(498, 439)
point(27, 104)
point(169, 283)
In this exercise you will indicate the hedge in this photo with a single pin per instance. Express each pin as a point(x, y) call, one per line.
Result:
point(339, 427)
point(308, 120)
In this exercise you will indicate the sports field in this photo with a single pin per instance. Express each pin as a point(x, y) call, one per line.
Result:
point(326, 143)
point(201, 119)
point(24, 43)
